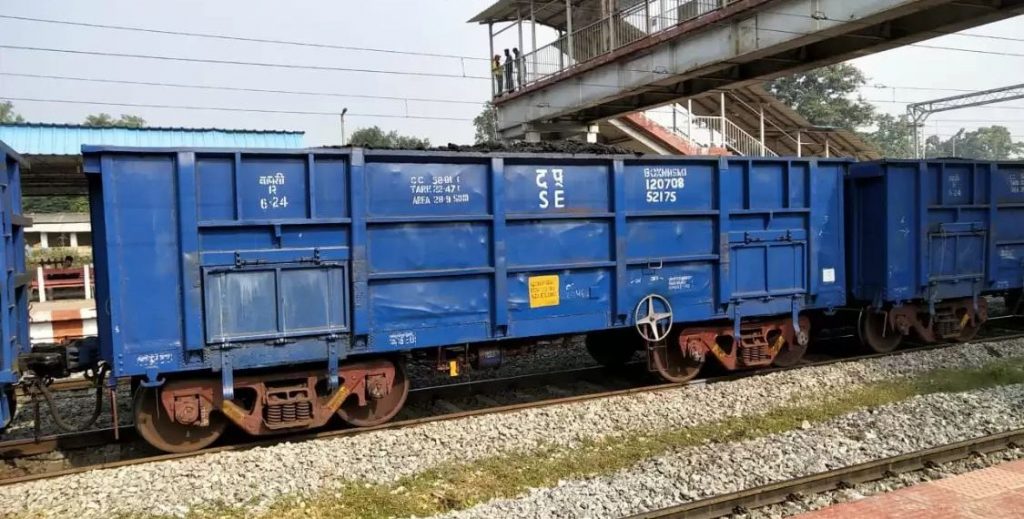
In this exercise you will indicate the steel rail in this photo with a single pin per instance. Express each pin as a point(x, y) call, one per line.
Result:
point(74, 384)
point(780, 492)
point(99, 437)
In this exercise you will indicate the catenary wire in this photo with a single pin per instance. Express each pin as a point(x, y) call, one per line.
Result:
point(413, 73)
point(249, 39)
point(240, 89)
point(306, 112)
point(275, 41)
point(396, 98)
point(231, 109)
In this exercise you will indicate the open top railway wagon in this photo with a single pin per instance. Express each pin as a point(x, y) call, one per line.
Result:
point(277, 289)
point(927, 241)
point(13, 281)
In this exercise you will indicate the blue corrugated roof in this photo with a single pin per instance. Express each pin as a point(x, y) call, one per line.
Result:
point(67, 139)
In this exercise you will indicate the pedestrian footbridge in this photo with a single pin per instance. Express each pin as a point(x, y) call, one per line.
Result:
point(614, 57)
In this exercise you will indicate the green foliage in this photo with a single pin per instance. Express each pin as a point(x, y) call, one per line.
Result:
point(55, 204)
point(374, 137)
point(7, 113)
point(53, 255)
point(893, 136)
point(486, 124)
point(825, 96)
point(989, 143)
point(106, 120)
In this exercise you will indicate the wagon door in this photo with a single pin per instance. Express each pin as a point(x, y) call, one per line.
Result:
point(273, 235)
point(956, 213)
point(766, 239)
point(768, 264)
point(956, 254)
point(274, 303)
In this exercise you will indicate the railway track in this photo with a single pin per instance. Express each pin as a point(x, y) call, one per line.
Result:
point(783, 491)
point(74, 384)
point(595, 382)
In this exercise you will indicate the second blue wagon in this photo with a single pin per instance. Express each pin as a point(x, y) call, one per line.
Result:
point(276, 289)
point(929, 239)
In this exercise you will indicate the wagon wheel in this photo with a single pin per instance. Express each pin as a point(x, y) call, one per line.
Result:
point(1012, 300)
point(12, 405)
point(969, 330)
point(674, 364)
point(377, 410)
point(874, 334)
point(791, 352)
point(611, 349)
point(161, 431)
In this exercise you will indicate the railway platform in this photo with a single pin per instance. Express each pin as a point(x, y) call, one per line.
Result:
point(56, 321)
point(993, 493)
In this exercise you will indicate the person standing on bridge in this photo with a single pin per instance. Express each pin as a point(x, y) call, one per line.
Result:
point(510, 84)
point(496, 70)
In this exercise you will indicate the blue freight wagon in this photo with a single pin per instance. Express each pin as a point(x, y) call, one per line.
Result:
point(927, 240)
point(14, 289)
point(278, 288)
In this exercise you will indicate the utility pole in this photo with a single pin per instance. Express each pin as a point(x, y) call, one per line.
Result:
point(342, 116)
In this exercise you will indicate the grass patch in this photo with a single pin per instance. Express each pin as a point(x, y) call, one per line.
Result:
point(460, 485)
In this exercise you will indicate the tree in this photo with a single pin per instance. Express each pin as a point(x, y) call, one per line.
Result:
point(486, 124)
point(374, 137)
point(131, 121)
point(893, 136)
point(55, 204)
point(8, 115)
point(106, 120)
point(825, 96)
point(989, 143)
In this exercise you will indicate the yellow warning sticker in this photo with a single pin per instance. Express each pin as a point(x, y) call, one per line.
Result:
point(543, 291)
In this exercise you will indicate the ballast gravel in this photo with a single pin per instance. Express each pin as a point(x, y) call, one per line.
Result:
point(74, 407)
point(253, 478)
point(700, 472)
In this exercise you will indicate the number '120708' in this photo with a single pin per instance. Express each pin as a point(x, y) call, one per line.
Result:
point(662, 190)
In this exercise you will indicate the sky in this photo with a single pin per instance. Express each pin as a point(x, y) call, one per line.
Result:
point(437, 27)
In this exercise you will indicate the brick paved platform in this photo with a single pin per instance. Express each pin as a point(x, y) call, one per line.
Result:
point(993, 493)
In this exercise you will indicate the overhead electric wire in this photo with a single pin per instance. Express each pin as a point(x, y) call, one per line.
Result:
point(375, 71)
point(355, 96)
point(230, 109)
point(391, 51)
point(304, 112)
point(311, 44)
point(238, 62)
point(329, 68)
point(823, 17)
point(240, 38)
point(893, 101)
point(241, 89)
point(265, 64)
